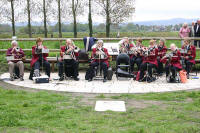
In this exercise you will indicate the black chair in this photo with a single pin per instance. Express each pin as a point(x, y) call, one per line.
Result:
point(123, 61)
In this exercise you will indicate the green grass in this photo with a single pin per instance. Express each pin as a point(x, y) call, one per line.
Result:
point(22, 111)
point(96, 34)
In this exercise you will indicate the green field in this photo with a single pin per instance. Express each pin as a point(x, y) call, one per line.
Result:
point(98, 35)
point(23, 111)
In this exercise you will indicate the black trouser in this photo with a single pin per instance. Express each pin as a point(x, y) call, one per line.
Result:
point(37, 65)
point(173, 69)
point(197, 42)
point(188, 66)
point(103, 65)
point(70, 68)
point(137, 60)
point(160, 67)
point(146, 66)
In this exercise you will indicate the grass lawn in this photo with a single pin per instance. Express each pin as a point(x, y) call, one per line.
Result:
point(43, 111)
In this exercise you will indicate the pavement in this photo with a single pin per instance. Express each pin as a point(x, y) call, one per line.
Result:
point(121, 85)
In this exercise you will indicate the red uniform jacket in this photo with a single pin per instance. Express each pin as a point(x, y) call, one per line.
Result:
point(63, 48)
point(152, 58)
point(162, 51)
point(191, 53)
point(104, 60)
point(35, 57)
point(128, 49)
point(175, 60)
point(17, 55)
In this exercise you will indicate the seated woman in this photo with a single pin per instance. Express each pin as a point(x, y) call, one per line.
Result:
point(39, 58)
point(68, 53)
point(137, 56)
point(162, 50)
point(97, 60)
point(173, 61)
point(149, 61)
point(189, 55)
point(17, 61)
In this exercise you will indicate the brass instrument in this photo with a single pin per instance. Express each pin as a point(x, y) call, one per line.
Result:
point(100, 54)
point(70, 55)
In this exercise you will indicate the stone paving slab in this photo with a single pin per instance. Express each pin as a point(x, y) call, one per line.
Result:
point(97, 86)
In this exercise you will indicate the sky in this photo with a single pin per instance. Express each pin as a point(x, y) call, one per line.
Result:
point(166, 9)
point(162, 9)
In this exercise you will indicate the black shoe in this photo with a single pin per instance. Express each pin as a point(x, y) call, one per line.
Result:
point(104, 80)
point(149, 81)
point(12, 79)
point(140, 80)
point(61, 78)
point(76, 79)
point(89, 80)
point(188, 76)
point(21, 79)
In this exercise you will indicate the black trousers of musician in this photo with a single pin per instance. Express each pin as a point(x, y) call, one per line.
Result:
point(197, 42)
point(160, 67)
point(188, 66)
point(146, 66)
point(137, 60)
point(173, 70)
point(70, 67)
point(103, 65)
point(37, 65)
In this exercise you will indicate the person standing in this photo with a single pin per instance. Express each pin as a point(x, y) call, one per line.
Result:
point(197, 33)
point(184, 32)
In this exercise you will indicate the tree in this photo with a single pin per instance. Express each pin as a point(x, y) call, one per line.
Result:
point(77, 9)
point(59, 19)
point(90, 19)
point(115, 11)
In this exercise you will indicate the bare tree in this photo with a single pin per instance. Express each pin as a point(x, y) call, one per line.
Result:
point(77, 9)
point(115, 11)
point(59, 19)
point(90, 19)
point(30, 11)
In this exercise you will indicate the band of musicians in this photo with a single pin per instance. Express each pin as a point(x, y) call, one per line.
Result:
point(145, 61)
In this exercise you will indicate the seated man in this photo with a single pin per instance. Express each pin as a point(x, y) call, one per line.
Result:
point(189, 55)
point(149, 62)
point(17, 61)
point(100, 57)
point(39, 58)
point(162, 50)
point(68, 54)
point(137, 56)
point(173, 60)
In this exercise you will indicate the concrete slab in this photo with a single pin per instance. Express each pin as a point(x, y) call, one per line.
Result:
point(97, 86)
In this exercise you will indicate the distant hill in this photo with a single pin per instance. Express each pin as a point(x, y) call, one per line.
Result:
point(166, 22)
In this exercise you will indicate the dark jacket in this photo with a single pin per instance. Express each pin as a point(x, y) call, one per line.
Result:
point(196, 32)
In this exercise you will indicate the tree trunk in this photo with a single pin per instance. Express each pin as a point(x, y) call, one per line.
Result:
point(59, 20)
point(13, 16)
point(45, 19)
point(29, 19)
point(74, 15)
point(107, 18)
point(90, 19)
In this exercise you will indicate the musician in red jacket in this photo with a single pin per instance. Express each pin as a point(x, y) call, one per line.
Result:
point(162, 50)
point(173, 60)
point(149, 61)
point(189, 55)
point(69, 54)
point(18, 55)
point(39, 58)
point(137, 56)
point(100, 57)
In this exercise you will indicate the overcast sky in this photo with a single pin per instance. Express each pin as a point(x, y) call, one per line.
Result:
point(163, 9)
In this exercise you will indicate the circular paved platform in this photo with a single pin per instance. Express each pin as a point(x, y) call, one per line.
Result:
point(97, 86)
